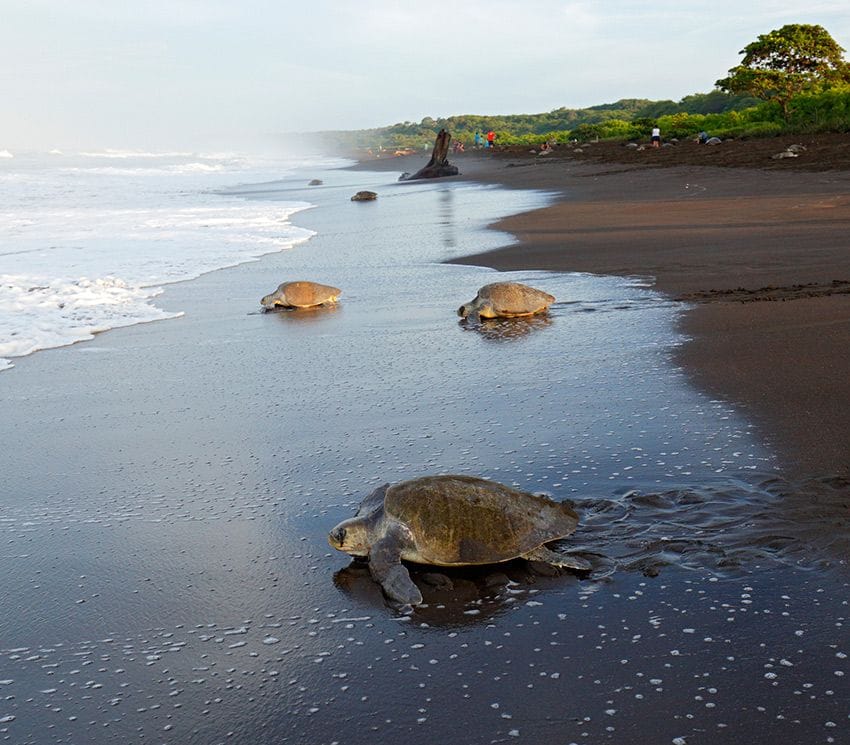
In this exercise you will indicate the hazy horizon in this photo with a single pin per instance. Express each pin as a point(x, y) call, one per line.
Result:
point(195, 74)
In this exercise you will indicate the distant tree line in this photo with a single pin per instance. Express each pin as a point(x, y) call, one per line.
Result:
point(559, 125)
point(793, 79)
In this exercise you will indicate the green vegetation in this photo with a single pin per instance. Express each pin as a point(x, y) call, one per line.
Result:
point(790, 80)
point(797, 58)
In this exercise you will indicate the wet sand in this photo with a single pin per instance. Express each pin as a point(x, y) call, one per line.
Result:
point(168, 489)
point(762, 255)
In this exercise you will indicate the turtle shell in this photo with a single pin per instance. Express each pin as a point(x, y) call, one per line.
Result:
point(458, 520)
point(513, 298)
point(301, 294)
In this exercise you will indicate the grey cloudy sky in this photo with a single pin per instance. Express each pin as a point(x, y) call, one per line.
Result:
point(200, 73)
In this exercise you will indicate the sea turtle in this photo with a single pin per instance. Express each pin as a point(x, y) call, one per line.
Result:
point(451, 521)
point(506, 300)
point(301, 295)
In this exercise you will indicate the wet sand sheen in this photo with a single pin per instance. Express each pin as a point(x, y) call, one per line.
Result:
point(698, 231)
point(171, 573)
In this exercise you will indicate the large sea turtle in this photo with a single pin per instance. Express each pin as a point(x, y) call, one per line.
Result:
point(301, 295)
point(506, 300)
point(451, 521)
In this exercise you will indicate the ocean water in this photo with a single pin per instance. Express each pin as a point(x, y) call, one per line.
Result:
point(168, 488)
point(87, 240)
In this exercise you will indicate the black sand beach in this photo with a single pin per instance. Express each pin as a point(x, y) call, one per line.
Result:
point(760, 247)
point(168, 489)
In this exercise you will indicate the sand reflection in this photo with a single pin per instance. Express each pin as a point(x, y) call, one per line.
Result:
point(507, 329)
point(447, 220)
point(462, 596)
point(304, 315)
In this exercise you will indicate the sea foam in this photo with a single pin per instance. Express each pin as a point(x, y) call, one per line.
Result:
point(40, 316)
point(86, 246)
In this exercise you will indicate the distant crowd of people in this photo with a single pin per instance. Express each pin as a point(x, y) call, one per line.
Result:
point(488, 140)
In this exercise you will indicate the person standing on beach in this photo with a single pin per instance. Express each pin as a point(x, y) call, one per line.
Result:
point(477, 140)
point(656, 136)
point(491, 139)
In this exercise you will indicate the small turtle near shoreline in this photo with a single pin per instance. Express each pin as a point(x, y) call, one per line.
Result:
point(301, 294)
point(452, 521)
point(506, 300)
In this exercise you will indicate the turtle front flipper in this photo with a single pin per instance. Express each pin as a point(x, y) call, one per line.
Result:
point(388, 571)
point(541, 553)
point(373, 502)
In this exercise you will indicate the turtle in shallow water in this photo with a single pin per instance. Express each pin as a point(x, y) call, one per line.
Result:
point(506, 300)
point(301, 295)
point(451, 521)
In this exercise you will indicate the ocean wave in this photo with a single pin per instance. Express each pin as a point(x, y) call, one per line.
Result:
point(86, 244)
point(197, 168)
point(147, 170)
point(125, 154)
point(42, 305)
point(6, 154)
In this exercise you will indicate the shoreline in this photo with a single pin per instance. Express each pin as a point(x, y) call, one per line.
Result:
point(759, 256)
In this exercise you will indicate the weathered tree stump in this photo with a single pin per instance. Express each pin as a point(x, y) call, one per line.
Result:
point(439, 164)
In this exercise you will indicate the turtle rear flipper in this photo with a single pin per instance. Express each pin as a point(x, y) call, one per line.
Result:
point(541, 553)
point(388, 571)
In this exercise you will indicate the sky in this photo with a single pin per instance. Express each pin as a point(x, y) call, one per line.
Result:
point(196, 74)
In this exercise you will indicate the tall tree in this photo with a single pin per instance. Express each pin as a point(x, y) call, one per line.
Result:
point(795, 58)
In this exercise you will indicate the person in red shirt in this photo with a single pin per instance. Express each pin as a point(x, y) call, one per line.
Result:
point(491, 138)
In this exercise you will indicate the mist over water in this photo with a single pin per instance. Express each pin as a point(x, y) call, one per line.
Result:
point(168, 496)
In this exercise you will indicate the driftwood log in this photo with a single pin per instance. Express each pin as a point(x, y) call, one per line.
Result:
point(439, 164)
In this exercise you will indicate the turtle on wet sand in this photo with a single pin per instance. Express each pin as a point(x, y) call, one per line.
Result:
point(506, 300)
point(451, 521)
point(301, 294)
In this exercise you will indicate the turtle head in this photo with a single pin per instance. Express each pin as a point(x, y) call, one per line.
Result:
point(278, 297)
point(269, 301)
point(351, 536)
point(470, 308)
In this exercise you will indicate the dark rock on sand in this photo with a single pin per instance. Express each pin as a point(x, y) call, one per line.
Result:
point(364, 196)
point(439, 165)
